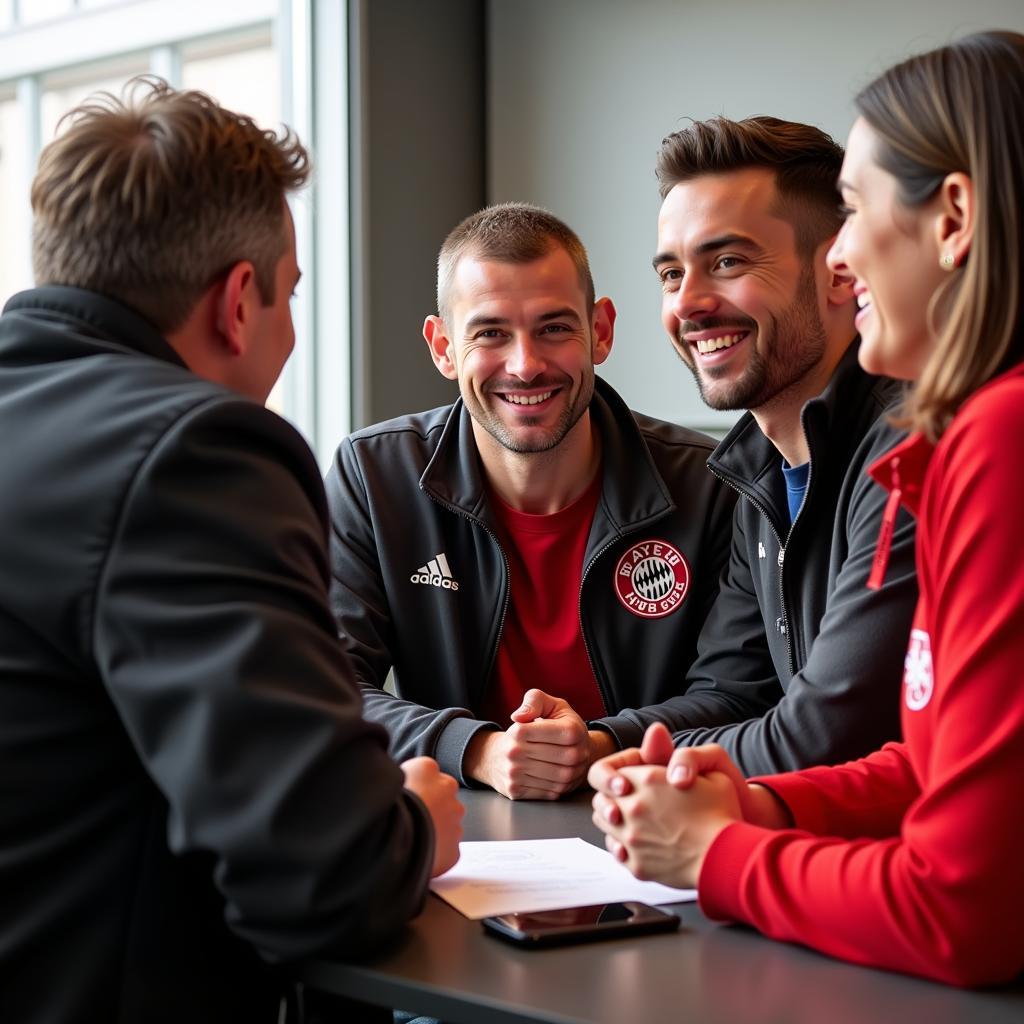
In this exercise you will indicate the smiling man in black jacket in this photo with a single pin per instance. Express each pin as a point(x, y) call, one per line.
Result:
point(186, 777)
point(802, 655)
point(535, 556)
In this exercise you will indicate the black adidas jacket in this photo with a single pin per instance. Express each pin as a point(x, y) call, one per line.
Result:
point(420, 582)
point(800, 664)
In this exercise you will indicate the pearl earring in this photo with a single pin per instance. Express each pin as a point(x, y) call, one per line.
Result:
point(948, 261)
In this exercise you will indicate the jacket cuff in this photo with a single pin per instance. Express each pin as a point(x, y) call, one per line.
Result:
point(451, 747)
point(626, 733)
point(719, 886)
point(801, 797)
point(426, 840)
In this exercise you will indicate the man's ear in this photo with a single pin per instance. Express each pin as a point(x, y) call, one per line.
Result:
point(233, 307)
point(436, 335)
point(955, 219)
point(603, 326)
point(838, 281)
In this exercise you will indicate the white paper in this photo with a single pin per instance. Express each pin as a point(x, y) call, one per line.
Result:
point(524, 875)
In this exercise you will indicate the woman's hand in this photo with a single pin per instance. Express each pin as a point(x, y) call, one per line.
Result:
point(661, 832)
point(683, 767)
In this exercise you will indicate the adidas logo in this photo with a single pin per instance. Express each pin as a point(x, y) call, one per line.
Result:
point(436, 573)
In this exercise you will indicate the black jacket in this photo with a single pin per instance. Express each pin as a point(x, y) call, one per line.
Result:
point(405, 491)
point(800, 664)
point(184, 772)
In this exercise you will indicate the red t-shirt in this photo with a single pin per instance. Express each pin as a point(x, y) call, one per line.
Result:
point(542, 642)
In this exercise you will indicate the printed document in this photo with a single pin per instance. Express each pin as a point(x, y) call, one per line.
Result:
point(524, 875)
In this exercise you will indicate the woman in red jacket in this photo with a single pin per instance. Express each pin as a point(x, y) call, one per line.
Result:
point(908, 859)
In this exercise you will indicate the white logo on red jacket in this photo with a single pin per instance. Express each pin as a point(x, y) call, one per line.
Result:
point(651, 579)
point(918, 678)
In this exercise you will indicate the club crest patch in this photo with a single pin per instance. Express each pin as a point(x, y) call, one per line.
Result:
point(918, 677)
point(652, 579)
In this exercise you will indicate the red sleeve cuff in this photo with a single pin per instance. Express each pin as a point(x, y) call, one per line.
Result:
point(801, 796)
point(720, 883)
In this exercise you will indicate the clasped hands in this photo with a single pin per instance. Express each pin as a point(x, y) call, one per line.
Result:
point(661, 809)
point(544, 754)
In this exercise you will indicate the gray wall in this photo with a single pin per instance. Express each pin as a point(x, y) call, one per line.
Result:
point(583, 91)
point(418, 168)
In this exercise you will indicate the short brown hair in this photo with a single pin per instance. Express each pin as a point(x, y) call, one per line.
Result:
point(961, 108)
point(805, 160)
point(148, 198)
point(509, 233)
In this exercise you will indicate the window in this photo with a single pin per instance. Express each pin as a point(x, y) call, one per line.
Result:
point(15, 265)
point(254, 56)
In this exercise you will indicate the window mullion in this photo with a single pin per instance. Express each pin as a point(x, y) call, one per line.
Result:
point(165, 62)
point(29, 93)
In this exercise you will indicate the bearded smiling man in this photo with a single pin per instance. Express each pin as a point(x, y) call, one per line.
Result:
point(535, 557)
point(791, 346)
point(801, 657)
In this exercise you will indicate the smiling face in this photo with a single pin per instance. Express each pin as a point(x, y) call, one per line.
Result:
point(893, 253)
point(740, 304)
point(522, 344)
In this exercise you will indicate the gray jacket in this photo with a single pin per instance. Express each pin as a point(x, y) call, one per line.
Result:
point(800, 664)
point(406, 492)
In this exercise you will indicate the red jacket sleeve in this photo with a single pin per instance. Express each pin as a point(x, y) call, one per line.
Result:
point(864, 798)
point(945, 897)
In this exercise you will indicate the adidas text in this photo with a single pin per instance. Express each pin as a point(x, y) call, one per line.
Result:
point(433, 581)
point(436, 573)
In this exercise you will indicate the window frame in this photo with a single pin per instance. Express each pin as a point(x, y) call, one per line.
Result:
point(311, 39)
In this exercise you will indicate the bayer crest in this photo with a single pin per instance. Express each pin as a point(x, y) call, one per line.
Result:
point(651, 579)
point(918, 674)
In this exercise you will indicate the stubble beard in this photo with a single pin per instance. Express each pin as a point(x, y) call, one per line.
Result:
point(512, 441)
point(792, 346)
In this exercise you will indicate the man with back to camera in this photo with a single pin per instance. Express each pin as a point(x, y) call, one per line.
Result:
point(802, 654)
point(187, 777)
point(535, 552)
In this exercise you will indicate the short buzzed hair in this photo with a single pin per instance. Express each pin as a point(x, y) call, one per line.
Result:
point(509, 233)
point(805, 160)
point(150, 197)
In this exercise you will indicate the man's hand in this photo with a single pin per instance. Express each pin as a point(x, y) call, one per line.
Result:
point(544, 754)
point(683, 767)
point(663, 833)
point(438, 791)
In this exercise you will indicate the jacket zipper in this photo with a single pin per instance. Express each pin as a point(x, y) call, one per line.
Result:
point(508, 573)
point(504, 610)
point(601, 689)
point(783, 623)
point(782, 555)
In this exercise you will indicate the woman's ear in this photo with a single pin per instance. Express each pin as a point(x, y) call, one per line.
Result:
point(955, 219)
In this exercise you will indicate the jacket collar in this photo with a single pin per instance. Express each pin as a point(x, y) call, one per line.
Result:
point(747, 460)
point(902, 470)
point(633, 492)
point(90, 316)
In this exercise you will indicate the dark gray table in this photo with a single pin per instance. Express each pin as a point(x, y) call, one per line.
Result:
point(445, 965)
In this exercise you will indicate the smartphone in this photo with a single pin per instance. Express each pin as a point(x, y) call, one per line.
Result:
point(580, 924)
